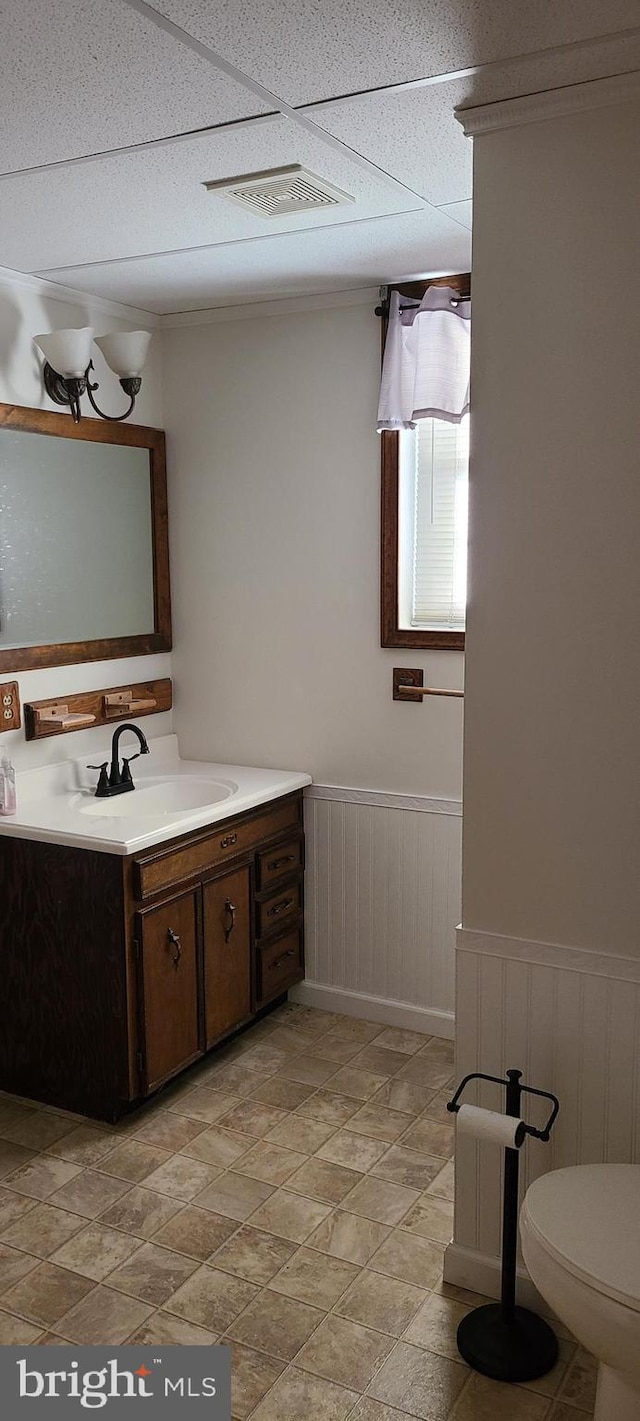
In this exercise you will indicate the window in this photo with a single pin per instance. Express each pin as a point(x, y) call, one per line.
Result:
point(424, 527)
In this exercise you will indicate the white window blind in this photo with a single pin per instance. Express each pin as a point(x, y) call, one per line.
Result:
point(433, 509)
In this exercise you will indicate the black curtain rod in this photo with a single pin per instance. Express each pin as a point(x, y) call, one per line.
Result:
point(413, 305)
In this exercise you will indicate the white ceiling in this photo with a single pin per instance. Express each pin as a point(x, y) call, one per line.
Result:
point(113, 115)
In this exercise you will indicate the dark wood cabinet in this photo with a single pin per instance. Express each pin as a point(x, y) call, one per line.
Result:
point(118, 972)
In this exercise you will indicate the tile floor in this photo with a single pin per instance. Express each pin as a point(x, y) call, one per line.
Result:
point(290, 1197)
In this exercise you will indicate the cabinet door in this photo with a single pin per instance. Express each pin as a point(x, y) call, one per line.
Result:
point(227, 953)
point(168, 937)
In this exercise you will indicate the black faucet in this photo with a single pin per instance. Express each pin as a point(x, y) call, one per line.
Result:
point(118, 781)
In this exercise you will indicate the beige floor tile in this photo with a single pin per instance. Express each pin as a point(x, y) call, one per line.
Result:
point(415, 1260)
point(13, 1265)
point(403, 1095)
point(284, 1094)
point(395, 1038)
point(486, 1400)
point(344, 1352)
point(211, 1298)
point(314, 1278)
point(41, 1176)
point(579, 1385)
point(370, 1410)
point(219, 1147)
point(319, 1179)
point(162, 1329)
point(430, 1138)
point(89, 1193)
point(550, 1384)
point(443, 1184)
point(196, 1232)
point(96, 1251)
point(378, 1199)
point(348, 1236)
point(235, 1196)
point(328, 1108)
point(37, 1129)
point(330, 1048)
point(379, 1122)
point(104, 1317)
point(352, 1028)
point(290, 1216)
point(11, 1111)
point(46, 1294)
point(408, 1167)
point(434, 1075)
point(419, 1382)
point(140, 1212)
point(250, 1117)
point(292, 1038)
point(15, 1332)
point(234, 1078)
point(379, 1059)
point(270, 1162)
point(359, 1084)
point(440, 1049)
point(153, 1274)
point(432, 1218)
point(264, 1057)
point(308, 1069)
point(356, 1151)
point(295, 1133)
point(436, 1325)
point(253, 1255)
point(387, 1304)
point(182, 1178)
point(280, 1329)
point(133, 1161)
point(43, 1230)
point(298, 1394)
point(436, 1109)
point(171, 1132)
point(13, 1207)
point(252, 1376)
point(203, 1103)
point(561, 1411)
point(84, 1145)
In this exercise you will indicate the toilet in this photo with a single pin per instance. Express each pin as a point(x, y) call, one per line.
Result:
point(580, 1230)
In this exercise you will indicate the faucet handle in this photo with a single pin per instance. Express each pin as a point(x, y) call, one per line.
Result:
point(102, 786)
point(103, 766)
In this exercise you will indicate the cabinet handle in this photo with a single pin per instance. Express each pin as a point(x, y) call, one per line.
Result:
point(280, 908)
point(230, 909)
point(175, 942)
point(278, 863)
point(228, 840)
point(278, 960)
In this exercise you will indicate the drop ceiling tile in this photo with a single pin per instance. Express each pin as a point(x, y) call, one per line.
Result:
point(84, 76)
point(309, 49)
point(459, 212)
point(336, 258)
point(154, 200)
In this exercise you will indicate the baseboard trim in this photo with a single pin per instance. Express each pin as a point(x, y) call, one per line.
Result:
point(387, 1012)
point(481, 1273)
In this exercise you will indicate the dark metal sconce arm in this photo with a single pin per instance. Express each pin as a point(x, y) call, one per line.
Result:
point(131, 386)
point(68, 392)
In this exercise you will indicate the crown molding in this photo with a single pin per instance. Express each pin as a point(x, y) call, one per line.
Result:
point(551, 103)
point(279, 306)
point(53, 291)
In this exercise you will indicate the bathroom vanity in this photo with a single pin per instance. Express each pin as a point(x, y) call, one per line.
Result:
point(136, 936)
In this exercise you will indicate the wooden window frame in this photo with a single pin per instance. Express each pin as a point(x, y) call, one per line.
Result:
point(391, 635)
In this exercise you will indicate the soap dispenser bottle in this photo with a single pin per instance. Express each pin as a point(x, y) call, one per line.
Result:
point(7, 786)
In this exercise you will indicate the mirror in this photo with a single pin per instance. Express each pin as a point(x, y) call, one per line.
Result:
point(84, 563)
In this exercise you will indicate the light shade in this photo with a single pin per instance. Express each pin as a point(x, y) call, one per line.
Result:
point(68, 352)
point(125, 351)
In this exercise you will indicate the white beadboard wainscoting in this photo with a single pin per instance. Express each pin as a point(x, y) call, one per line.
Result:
point(382, 893)
point(569, 1019)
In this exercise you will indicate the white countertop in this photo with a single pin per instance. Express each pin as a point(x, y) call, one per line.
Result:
point(57, 804)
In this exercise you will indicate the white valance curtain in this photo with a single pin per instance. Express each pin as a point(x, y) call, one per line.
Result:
point(425, 371)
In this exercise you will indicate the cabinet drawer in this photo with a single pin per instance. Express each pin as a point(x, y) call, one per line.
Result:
point(283, 859)
point(279, 965)
point(157, 871)
point(275, 910)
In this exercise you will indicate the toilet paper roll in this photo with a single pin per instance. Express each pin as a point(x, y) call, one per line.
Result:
point(489, 1125)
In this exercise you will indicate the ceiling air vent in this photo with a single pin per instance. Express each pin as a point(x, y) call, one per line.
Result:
point(281, 192)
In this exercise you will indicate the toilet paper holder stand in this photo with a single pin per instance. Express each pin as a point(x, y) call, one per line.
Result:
point(502, 1340)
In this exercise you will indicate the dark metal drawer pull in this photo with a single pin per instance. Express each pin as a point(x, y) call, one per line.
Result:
point(280, 908)
point(228, 840)
point(175, 942)
point(278, 863)
point(278, 960)
point(230, 909)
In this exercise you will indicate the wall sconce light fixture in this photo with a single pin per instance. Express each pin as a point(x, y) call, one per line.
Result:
point(68, 365)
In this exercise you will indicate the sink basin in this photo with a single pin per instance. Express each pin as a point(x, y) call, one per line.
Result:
point(157, 798)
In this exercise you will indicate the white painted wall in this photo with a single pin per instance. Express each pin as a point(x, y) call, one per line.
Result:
point(27, 308)
point(552, 770)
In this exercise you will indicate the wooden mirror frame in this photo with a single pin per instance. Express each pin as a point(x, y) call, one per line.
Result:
point(33, 421)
